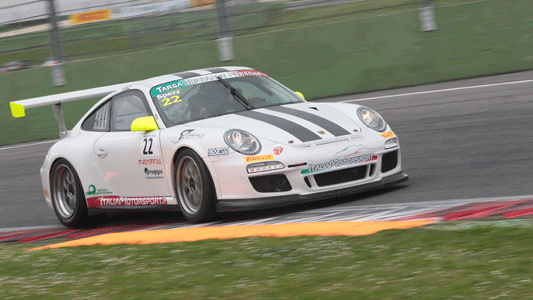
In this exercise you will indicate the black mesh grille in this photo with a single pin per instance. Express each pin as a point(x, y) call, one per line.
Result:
point(389, 161)
point(340, 176)
point(271, 183)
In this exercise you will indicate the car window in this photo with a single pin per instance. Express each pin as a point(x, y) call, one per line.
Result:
point(98, 120)
point(127, 107)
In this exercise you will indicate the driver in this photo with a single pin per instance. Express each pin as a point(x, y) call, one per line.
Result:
point(206, 101)
point(212, 99)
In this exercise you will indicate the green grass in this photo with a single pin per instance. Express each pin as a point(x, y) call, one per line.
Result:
point(487, 260)
point(134, 34)
point(355, 55)
point(342, 12)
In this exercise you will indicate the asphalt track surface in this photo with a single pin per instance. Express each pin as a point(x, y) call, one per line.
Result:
point(460, 140)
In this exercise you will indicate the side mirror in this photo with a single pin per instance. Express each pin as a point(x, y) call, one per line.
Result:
point(300, 94)
point(144, 124)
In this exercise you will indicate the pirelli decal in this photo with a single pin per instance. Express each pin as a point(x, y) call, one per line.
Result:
point(387, 134)
point(333, 128)
point(257, 158)
point(298, 131)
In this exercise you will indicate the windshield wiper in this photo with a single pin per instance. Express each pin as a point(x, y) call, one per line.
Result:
point(236, 94)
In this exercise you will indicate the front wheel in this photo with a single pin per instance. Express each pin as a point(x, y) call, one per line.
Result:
point(68, 199)
point(194, 188)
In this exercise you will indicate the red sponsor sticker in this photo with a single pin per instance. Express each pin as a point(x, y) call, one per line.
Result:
point(151, 161)
point(125, 201)
point(278, 150)
point(245, 73)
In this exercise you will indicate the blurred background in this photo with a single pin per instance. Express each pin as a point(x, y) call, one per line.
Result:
point(321, 48)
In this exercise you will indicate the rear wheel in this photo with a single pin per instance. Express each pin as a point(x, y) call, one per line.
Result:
point(68, 199)
point(194, 188)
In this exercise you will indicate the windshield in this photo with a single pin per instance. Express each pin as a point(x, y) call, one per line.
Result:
point(203, 97)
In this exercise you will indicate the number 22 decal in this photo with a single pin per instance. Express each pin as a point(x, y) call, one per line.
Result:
point(148, 143)
point(171, 100)
point(149, 146)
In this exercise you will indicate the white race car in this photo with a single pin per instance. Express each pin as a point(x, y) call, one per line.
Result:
point(210, 140)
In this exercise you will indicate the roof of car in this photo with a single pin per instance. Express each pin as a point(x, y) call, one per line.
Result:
point(189, 74)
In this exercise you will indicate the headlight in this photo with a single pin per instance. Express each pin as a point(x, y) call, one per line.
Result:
point(242, 141)
point(371, 118)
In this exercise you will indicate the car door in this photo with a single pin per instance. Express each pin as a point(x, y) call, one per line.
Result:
point(131, 161)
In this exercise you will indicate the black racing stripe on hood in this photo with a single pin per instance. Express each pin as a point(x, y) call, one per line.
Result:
point(217, 70)
point(187, 74)
point(326, 124)
point(298, 131)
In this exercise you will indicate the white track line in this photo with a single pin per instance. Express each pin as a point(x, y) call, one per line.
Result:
point(28, 145)
point(443, 90)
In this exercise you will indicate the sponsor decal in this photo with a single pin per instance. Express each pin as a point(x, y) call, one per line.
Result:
point(91, 16)
point(335, 163)
point(161, 89)
point(225, 75)
point(201, 3)
point(387, 134)
point(189, 134)
point(150, 161)
point(153, 174)
point(218, 151)
point(168, 95)
point(278, 150)
point(46, 193)
point(351, 150)
point(149, 146)
point(93, 191)
point(249, 159)
point(125, 201)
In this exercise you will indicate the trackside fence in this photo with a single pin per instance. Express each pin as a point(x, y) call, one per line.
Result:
point(95, 28)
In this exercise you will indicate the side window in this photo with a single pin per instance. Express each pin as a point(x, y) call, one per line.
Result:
point(98, 120)
point(127, 107)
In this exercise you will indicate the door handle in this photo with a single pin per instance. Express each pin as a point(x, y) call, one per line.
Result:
point(101, 153)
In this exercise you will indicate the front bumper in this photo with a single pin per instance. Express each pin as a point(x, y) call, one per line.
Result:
point(226, 205)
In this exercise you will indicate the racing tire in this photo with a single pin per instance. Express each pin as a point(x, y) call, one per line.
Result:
point(194, 188)
point(68, 198)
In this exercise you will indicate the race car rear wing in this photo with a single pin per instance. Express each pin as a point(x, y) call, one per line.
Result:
point(18, 108)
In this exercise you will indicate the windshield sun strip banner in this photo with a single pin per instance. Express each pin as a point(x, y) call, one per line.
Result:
point(326, 124)
point(170, 86)
point(298, 131)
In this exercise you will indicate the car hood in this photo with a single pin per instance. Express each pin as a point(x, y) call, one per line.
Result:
point(295, 124)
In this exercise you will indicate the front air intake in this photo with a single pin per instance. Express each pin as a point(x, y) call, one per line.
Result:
point(389, 161)
point(271, 183)
point(340, 176)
